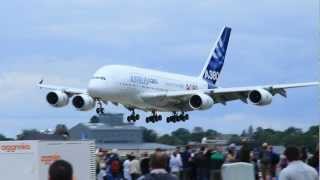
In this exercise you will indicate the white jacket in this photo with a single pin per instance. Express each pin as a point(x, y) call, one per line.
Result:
point(175, 163)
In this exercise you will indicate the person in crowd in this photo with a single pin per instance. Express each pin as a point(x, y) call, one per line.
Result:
point(178, 151)
point(297, 169)
point(202, 160)
point(134, 167)
point(283, 162)
point(175, 164)
point(158, 163)
point(304, 154)
point(144, 164)
point(99, 158)
point(114, 164)
point(314, 161)
point(102, 165)
point(231, 154)
point(193, 164)
point(244, 153)
point(60, 170)
point(126, 172)
point(254, 156)
point(216, 161)
point(265, 161)
point(275, 158)
point(186, 163)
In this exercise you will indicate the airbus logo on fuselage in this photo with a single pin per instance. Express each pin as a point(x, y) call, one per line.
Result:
point(143, 80)
point(211, 75)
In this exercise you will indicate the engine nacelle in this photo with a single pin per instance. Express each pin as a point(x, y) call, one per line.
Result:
point(83, 102)
point(260, 97)
point(200, 101)
point(57, 98)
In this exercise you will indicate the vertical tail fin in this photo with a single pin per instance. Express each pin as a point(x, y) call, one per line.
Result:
point(214, 63)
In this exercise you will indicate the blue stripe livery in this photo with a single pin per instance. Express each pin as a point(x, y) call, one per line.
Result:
point(216, 59)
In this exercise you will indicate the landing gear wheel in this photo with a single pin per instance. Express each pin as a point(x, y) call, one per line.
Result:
point(100, 110)
point(137, 116)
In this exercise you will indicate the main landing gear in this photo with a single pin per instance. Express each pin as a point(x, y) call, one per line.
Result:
point(100, 109)
point(176, 118)
point(153, 118)
point(133, 117)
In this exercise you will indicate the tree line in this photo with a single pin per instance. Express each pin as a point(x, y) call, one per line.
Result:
point(182, 136)
point(257, 136)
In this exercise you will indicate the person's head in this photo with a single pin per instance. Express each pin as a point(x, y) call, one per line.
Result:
point(114, 151)
point(230, 151)
point(292, 153)
point(145, 154)
point(265, 145)
point(104, 152)
point(187, 148)
point(174, 153)
point(270, 148)
point(128, 156)
point(232, 147)
point(60, 170)
point(178, 149)
point(158, 160)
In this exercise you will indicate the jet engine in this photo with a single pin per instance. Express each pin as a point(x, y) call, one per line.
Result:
point(260, 97)
point(200, 101)
point(57, 98)
point(83, 102)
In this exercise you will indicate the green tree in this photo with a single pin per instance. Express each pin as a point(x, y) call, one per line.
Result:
point(293, 131)
point(27, 132)
point(250, 131)
point(236, 139)
point(170, 140)
point(61, 130)
point(210, 133)
point(4, 138)
point(182, 134)
point(198, 130)
point(94, 119)
point(244, 133)
point(149, 135)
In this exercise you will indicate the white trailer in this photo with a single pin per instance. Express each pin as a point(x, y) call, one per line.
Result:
point(30, 160)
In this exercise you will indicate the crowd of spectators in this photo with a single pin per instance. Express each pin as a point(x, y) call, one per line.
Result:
point(205, 163)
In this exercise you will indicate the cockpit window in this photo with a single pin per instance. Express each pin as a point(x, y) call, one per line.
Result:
point(99, 77)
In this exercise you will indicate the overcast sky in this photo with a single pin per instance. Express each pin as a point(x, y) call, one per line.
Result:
point(66, 41)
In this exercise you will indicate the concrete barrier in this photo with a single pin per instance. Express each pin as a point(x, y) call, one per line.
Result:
point(238, 171)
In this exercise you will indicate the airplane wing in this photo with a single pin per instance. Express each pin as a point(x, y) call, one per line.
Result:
point(67, 90)
point(223, 95)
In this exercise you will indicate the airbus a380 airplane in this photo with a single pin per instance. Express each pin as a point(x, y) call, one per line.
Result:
point(155, 91)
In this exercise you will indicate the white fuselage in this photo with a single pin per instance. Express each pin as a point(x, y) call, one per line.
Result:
point(124, 85)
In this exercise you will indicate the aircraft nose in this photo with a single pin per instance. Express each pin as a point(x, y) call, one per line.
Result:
point(95, 88)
